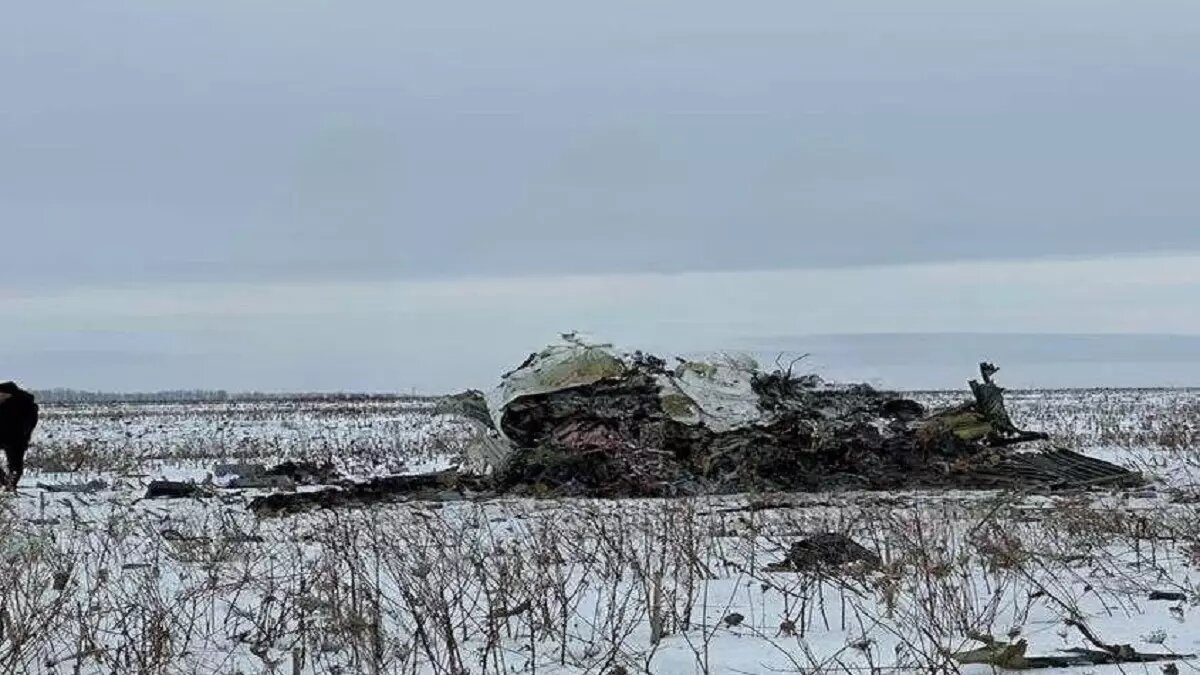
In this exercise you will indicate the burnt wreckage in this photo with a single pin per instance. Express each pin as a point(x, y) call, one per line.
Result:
point(579, 419)
point(585, 419)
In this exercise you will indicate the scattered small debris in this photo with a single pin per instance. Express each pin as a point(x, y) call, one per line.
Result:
point(825, 551)
point(756, 505)
point(171, 489)
point(90, 487)
point(239, 469)
point(862, 644)
point(446, 485)
point(1156, 637)
point(503, 613)
point(171, 534)
point(283, 476)
point(1011, 656)
point(307, 473)
point(263, 482)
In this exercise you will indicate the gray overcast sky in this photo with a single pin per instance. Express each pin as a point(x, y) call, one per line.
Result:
point(324, 145)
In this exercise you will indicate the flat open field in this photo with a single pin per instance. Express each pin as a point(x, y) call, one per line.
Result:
point(104, 581)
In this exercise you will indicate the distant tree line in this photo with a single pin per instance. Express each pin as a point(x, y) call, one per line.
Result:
point(60, 395)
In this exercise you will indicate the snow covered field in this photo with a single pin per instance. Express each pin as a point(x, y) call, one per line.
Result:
point(106, 582)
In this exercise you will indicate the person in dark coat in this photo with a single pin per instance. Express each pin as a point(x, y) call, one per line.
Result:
point(18, 417)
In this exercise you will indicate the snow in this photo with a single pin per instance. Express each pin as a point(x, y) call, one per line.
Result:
point(203, 586)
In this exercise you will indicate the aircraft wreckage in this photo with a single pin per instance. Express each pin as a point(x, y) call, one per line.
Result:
point(580, 419)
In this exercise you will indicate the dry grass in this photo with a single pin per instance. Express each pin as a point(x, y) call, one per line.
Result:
point(99, 584)
point(586, 586)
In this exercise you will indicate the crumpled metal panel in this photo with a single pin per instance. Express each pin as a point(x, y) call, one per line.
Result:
point(555, 368)
point(716, 393)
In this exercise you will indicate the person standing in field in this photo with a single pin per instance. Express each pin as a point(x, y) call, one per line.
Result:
point(18, 418)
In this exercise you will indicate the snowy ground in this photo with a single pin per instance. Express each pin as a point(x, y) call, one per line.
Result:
point(106, 582)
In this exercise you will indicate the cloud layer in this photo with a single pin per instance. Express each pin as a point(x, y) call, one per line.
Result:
point(225, 140)
point(447, 334)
